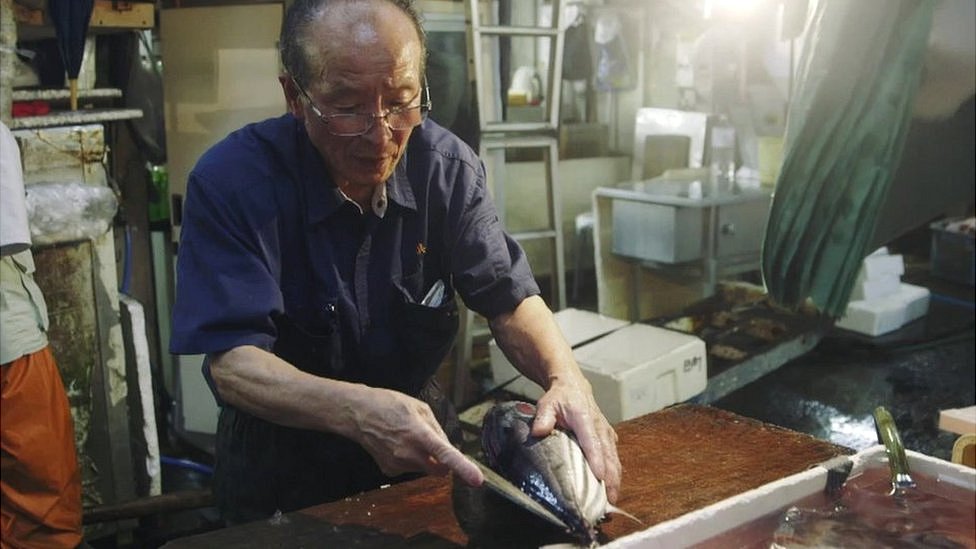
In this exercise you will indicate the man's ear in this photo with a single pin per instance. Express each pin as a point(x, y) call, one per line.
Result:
point(292, 97)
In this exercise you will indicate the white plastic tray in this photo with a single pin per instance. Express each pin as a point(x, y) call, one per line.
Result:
point(715, 519)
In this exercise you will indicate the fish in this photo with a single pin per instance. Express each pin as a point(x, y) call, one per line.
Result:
point(551, 470)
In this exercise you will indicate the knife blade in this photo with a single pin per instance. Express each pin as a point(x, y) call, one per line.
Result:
point(501, 486)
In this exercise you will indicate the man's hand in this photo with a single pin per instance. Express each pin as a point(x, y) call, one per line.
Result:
point(402, 435)
point(531, 339)
point(571, 406)
point(400, 432)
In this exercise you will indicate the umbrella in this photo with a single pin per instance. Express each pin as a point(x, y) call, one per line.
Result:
point(70, 19)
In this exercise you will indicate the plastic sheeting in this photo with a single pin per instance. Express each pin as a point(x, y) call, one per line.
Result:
point(65, 212)
point(857, 80)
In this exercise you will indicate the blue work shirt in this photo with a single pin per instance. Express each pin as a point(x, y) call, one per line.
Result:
point(266, 235)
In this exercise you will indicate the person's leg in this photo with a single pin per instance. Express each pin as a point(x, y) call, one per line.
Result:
point(40, 483)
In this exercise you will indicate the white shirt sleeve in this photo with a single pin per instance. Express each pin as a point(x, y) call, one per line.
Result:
point(14, 229)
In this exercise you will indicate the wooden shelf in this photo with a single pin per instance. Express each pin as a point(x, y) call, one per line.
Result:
point(70, 118)
point(107, 15)
point(57, 94)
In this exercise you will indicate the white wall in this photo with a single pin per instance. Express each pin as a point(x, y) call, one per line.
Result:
point(576, 178)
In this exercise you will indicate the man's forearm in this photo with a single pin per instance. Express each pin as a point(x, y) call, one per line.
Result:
point(533, 342)
point(263, 385)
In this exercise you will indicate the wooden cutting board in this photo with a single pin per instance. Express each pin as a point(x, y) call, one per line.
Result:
point(675, 461)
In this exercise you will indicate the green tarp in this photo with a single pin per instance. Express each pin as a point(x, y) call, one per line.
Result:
point(856, 83)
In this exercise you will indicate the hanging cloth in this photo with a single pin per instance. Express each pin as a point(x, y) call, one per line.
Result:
point(846, 128)
point(577, 59)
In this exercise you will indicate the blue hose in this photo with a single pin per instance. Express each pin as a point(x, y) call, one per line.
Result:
point(126, 261)
point(187, 464)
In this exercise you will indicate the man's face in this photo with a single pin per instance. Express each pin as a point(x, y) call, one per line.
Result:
point(367, 59)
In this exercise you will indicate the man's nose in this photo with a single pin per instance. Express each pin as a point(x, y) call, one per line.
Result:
point(379, 129)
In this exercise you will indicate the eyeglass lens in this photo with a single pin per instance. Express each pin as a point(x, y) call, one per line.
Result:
point(360, 123)
point(353, 124)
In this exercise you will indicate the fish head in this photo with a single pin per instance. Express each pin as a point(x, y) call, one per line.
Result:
point(551, 470)
point(506, 427)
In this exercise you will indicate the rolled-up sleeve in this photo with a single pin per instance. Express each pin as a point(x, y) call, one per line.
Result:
point(227, 270)
point(491, 271)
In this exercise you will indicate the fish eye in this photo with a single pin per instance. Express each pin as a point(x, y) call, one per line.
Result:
point(525, 408)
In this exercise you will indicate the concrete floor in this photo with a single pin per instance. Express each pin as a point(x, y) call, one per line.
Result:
point(832, 391)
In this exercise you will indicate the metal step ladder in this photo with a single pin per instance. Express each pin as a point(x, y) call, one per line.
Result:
point(501, 136)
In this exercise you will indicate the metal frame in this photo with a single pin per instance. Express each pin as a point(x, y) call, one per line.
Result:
point(498, 136)
point(554, 79)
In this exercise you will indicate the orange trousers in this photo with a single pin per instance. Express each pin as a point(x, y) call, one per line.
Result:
point(40, 483)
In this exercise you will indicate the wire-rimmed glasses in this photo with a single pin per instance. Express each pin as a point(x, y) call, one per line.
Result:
point(354, 124)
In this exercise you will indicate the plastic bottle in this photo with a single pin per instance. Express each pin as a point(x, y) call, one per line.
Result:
point(722, 154)
point(158, 194)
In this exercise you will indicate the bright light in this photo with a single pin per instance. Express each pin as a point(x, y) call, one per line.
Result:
point(732, 9)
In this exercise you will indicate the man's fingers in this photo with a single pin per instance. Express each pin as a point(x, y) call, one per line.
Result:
point(544, 422)
point(614, 469)
point(452, 458)
point(593, 450)
point(595, 435)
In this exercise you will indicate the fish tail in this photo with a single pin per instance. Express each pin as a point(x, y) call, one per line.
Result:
point(619, 511)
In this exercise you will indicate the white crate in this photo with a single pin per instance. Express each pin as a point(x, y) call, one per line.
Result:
point(578, 327)
point(639, 369)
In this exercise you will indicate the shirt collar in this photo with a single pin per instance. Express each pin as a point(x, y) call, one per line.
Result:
point(324, 197)
point(378, 201)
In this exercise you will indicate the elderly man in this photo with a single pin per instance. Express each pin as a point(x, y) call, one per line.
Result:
point(314, 250)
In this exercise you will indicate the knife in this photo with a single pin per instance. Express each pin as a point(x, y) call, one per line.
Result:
point(501, 486)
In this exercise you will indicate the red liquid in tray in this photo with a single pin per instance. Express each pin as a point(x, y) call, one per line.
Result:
point(935, 514)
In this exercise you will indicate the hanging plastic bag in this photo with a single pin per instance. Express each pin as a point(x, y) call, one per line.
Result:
point(613, 70)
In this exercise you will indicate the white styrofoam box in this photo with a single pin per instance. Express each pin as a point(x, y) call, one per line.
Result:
point(706, 523)
point(639, 369)
point(877, 265)
point(578, 326)
point(885, 314)
point(873, 317)
point(866, 288)
point(916, 300)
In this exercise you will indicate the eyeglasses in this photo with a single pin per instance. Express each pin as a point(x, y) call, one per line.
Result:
point(354, 124)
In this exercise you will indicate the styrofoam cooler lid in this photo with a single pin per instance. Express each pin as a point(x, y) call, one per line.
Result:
point(631, 346)
point(579, 326)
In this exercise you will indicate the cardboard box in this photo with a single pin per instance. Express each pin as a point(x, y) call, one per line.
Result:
point(960, 421)
point(639, 369)
point(578, 327)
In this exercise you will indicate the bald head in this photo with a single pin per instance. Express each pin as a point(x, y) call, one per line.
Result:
point(317, 32)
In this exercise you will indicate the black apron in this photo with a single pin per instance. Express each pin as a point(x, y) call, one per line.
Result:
point(262, 467)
